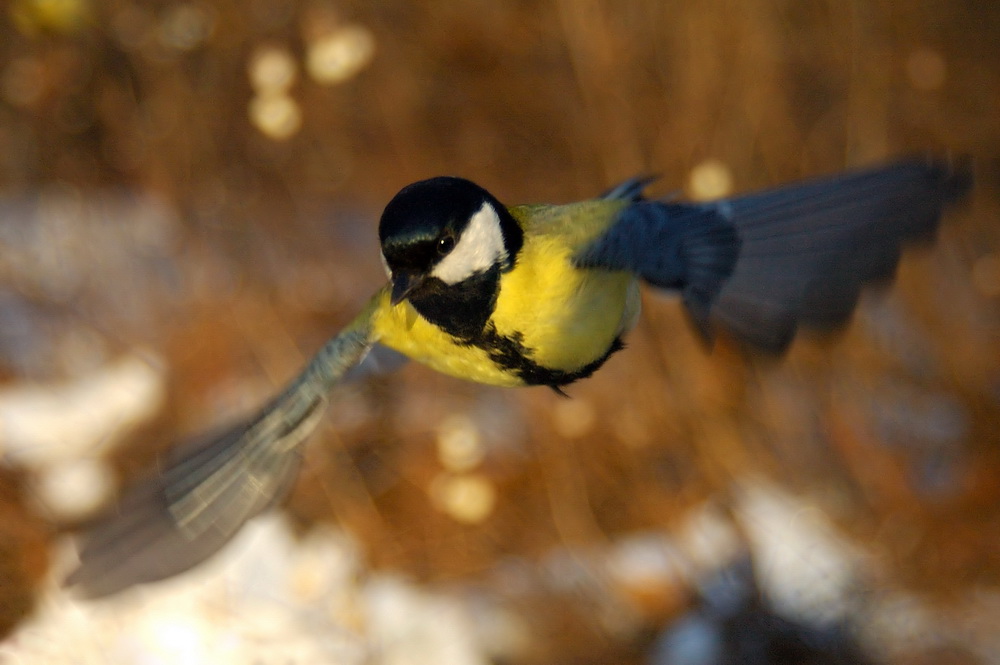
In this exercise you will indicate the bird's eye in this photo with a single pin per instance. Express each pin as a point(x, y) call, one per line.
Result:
point(445, 244)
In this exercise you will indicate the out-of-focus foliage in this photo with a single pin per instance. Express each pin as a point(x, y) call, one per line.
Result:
point(204, 179)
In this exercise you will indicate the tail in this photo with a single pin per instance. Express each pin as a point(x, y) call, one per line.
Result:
point(763, 264)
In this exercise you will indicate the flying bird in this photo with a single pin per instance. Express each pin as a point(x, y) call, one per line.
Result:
point(535, 295)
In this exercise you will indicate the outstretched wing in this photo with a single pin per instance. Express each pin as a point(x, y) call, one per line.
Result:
point(186, 511)
point(764, 263)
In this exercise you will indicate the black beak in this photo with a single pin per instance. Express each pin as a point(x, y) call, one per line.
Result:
point(403, 284)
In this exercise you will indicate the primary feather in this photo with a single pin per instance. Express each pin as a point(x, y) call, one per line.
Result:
point(762, 264)
point(181, 514)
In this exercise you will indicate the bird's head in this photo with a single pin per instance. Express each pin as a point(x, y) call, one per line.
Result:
point(439, 233)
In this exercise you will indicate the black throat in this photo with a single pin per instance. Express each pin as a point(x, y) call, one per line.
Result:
point(461, 310)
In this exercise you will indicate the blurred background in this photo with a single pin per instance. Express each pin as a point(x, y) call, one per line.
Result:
point(189, 195)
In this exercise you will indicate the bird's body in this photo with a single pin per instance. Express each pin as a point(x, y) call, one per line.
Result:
point(524, 342)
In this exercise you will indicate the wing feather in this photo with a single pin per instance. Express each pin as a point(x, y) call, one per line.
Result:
point(765, 263)
point(208, 489)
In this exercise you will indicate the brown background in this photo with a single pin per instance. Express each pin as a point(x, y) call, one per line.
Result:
point(273, 246)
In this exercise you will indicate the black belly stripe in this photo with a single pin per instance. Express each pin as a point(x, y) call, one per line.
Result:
point(510, 353)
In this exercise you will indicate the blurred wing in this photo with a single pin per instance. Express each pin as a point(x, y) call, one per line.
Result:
point(181, 515)
point(146, 536)
point(764, 263)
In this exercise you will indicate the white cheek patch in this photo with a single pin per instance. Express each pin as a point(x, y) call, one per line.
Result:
point(479, 248)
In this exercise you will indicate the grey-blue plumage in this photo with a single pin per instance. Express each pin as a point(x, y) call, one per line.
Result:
point(191, 506)
point(765, 263)
point(146, 539)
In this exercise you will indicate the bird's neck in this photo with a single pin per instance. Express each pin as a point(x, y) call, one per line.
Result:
point(462, 309)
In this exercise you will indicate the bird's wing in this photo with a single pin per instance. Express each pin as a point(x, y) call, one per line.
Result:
point(200, 497)
point(764, 263)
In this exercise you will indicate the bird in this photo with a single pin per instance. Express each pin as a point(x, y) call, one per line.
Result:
point(535, 295)
point(543, 294)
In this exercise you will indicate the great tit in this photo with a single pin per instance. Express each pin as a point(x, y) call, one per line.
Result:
point(542, 294)
point(535, 295)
